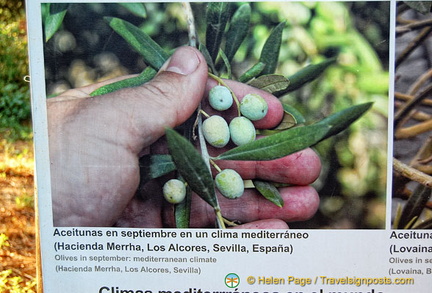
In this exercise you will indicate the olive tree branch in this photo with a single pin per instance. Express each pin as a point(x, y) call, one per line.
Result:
point(203, 146)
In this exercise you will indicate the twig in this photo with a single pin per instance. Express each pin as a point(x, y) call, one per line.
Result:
point(190, 24)
point(405, 110)
point(406, 97)
point(203, 146)
point(419, 82)
point(411, 131)
point(413, 45)
point(411, 173)
point(413, 26)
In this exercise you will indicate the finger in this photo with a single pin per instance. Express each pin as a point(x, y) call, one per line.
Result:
point(300, 204)
point(300, 168)
point(264, 224)
point(275, 110)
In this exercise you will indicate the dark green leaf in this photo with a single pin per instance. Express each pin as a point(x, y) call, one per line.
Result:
point(144, 77)
point(152, 53)
point(155, 166)
point(414, 206)
point(342, 119)
point(278, 145)
point(218, 14)
point(252, 72)
point(136, 8)
point(270, 51)
point(269, 191)
point(271, 83)
point(308, 74)
point(206, 54)
point(238, 30)
point(191, 166)
point(54, 18)
point(182, 210)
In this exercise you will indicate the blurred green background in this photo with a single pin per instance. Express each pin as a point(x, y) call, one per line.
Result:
point(14, 89)
point(353, 182)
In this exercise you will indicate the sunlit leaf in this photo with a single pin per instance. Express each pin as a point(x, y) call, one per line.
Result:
point(271, 83)
point(54, 18)
point(218, 14)
point(308, 74)
point(278, 145)
point(238, 30)
point(152, 53)
point(414, 206)
point(144, 77)
point(270, 52)
point(136, 8)
point(191, 166)
point(155, 166)
point(269, 191)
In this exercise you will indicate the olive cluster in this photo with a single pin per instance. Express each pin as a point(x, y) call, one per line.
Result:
point(217, 132)
point(240, 130)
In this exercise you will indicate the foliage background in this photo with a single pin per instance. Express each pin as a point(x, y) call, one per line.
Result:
point(14, 90)
point(17, 230)
point(352, 185)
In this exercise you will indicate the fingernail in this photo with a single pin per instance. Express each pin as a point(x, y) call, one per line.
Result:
point(184, 61)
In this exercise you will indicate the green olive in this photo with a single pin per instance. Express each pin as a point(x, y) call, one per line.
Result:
point(216, 131)
point(229, 183)
point(254, 107)
point(220, 98)
point(242, 130)
point(174, 191)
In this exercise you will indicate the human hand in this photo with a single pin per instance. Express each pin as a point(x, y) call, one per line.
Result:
point(95, 144)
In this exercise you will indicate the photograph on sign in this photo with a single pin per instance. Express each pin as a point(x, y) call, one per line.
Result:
point(291, 117)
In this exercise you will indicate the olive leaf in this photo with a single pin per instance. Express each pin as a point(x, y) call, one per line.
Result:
point(226, 63)
point(344, 118)
point(207, 57)
point(294, 113)
point(307, 74)
point(144, 77)
point(152, 53)
point(278, 145)
point(136, 8)
point(155, 166)
point(270, 52)
point(414, 206)
point(252, 72)
point(218, 14)
point(54, 18)
point(182, 210)
point(269, 191)
point(272, 83)
point(191, 166)
point(238, 30)
point(292, 117)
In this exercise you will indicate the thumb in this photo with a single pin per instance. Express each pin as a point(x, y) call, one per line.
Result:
point(172, 96)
